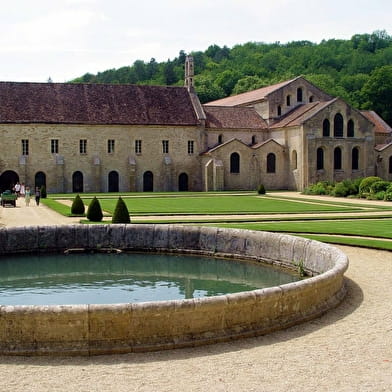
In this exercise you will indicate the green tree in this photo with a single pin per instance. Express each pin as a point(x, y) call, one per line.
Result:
point(94, 211)
point(378, 92)
point(77, 207)
point(121, 213)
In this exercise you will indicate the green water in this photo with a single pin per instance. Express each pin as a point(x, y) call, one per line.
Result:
point(124, 278)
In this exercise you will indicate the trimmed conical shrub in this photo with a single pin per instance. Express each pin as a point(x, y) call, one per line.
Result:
point(121, 213)
point(261, 189)
point(43, 192)
point(77, 207)
point(94, 211)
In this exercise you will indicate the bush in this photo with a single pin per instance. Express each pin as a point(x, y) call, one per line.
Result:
point(121, 213)
point(379, 186)
point(366, 183)
point(43, 192)
point(77, 207)
point(261, 189)
point(94, 211)
point(341, 190)
point(320, 188)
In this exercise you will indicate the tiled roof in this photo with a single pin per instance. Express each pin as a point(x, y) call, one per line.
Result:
point(300, 114)
point(68, 103)
point(233, 117)
point(250, 96)
point(380, 126)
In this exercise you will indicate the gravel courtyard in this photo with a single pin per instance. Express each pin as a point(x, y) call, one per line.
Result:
point(347, 349)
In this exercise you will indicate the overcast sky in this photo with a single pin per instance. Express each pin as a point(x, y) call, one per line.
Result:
point(64, 39)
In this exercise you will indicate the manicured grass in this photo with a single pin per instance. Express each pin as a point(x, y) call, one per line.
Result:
point(213, 205)
point(378, 228)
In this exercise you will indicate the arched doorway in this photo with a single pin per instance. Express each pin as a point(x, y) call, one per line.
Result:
point(40, 179)
point(183, 182)
point(77, 182)
point(148, 182)
point(7, 180)
point(113, 181)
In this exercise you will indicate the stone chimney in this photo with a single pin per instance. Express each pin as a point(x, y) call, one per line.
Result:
point(189, 73)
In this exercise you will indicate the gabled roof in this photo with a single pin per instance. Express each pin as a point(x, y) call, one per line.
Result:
point(227, 117)
point(258, 145)
point(225, 144)
point(250, 96)
point(300, 114)
point(380, 126)
point(381, 147)
point(68, 103)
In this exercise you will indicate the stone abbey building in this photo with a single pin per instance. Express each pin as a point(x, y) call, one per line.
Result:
point(100, 138)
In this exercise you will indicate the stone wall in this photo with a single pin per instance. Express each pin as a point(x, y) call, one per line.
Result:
point(97, 329)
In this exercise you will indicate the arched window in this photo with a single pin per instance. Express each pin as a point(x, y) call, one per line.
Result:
point(113, 181)
point(148, 182)
point(355, 158)
point(288, 100)
point(326, 128)
point(183, 182)
point(338, 125)
point(294, 163)
point(320, 159)
point(390, 165)
point(220, 139)
point(337, 159)
point(311, 98)
point(299, 94)
point(350, 128)
point(254, 139)
point(279, 110)
point(271, 163)
point(234, 163)
point(40, 179)
point(77, 182)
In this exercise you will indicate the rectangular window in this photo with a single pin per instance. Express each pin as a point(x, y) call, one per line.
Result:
point(25, 147)
point(165, 146)
point(111, 146)
point(191, 146)
point(138, 146)
point(54, 146)
point(83, 146)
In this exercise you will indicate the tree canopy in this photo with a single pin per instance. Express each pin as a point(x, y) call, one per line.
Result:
point(358, 70)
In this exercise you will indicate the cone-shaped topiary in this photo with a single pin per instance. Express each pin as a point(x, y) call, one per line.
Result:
point(121, 213)
point(43, 192)
point(94, 211)
point(77, 207)
point(261, 189)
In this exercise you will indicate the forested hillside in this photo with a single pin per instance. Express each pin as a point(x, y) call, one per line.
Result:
point(358, 70)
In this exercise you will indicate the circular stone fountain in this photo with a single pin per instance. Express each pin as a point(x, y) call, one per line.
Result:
point(105, 329)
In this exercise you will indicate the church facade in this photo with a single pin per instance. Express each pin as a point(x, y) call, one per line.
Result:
point(108, 138)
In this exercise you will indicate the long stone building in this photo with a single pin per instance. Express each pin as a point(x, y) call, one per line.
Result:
point(100, 138)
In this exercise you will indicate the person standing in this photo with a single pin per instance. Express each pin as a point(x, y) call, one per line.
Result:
point(37, 195)
point(27, 196)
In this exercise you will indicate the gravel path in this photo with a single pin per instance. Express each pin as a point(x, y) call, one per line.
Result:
point(347, 349)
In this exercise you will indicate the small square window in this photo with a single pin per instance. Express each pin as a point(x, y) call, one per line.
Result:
point(191, 146)
point(54, 146)
point(83, 146)
point(25, 147)
point(110, 146)
point(138, 146)
point(165, 146)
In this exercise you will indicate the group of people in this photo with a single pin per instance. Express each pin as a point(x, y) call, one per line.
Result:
point(24, 191)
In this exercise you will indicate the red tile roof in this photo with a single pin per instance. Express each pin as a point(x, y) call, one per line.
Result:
point(380, 126)
point(233, 117)
point(68, 103)
point(250, 96)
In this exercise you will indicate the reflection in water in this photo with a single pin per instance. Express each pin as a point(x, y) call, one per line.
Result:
point(123, 278)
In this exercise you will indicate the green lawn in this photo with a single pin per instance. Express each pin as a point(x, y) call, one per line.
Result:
point(222, 204)
point(324, 228)
point(378, 228)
